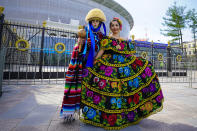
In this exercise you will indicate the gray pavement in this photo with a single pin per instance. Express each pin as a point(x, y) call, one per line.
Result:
point(36, 108)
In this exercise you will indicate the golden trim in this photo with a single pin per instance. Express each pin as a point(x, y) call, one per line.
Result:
point(123, 126)
point(115, 94)
point(56, 45)
point(117, 65)
point(122, 110)
point(122, 52)
point(124, 79)
point(26, 45)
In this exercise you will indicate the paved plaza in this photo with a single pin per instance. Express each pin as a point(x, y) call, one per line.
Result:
point(36, 108)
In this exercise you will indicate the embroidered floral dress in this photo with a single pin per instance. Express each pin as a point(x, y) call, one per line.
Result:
point(121, 89)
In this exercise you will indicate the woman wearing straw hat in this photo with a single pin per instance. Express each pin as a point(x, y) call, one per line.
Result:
point(83, 56)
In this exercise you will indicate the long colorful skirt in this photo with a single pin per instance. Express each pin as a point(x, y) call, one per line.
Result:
point(72, 92)
point(120, 90)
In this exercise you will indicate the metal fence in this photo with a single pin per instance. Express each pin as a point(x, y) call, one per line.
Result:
point(35, 55)
point(171, 63)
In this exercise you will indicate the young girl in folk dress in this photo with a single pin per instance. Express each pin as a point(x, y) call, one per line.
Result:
point(120, 89)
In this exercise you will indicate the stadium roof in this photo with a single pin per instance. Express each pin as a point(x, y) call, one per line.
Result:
point(117, 8)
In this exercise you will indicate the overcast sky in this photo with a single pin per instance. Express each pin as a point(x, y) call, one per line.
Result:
point(147, 15)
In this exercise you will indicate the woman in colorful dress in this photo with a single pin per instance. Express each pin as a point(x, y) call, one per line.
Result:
point(120, 89)
point(82, 56)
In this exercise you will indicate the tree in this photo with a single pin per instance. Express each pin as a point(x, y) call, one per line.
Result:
point(175, 21)
point(193, 24)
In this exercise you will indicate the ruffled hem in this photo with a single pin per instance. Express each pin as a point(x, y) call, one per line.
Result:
point(69, 114)
point(123, 126)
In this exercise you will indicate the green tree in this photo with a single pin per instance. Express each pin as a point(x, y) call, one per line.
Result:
point(175, 22)
point(193, 24)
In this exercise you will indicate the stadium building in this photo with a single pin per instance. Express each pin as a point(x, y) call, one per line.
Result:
point(70, 12)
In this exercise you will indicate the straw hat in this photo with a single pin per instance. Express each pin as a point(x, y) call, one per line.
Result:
point(95, 14)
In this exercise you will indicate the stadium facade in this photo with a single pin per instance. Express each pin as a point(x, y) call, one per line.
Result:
point(64, 11)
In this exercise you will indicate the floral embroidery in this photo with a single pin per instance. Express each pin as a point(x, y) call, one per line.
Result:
point(104, 42)
point(123, 115)
point(96, 99)
point(102, 84)
point(120, 58)
point(131, 116)
point(115, 57)
point(145, 90)
point(120, 89)
point(85, 109)
point(114, 43)
point(122, 46)
point(148, 72)
point(136, 98)
point(112, 119)
point(134, 66)
point(108, 71)
point(113, 100)
point(119, 102)
point(127, 71)
point(130, 83)
point(129, 100)
point(114, 84)
point(139, 62)
point(159, 98)
point(104, 115)
point(136, 82)
point(89, 93)
point(143, 75)
point(102, 67)
point(96, 79)
point(148, 106)
point(120, 70)
point(91, 113)
point(152, 87)
point(118, 47)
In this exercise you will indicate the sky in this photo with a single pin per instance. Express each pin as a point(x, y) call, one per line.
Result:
point(148, 17)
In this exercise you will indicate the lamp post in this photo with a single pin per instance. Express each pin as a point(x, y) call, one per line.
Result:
point(169, 62)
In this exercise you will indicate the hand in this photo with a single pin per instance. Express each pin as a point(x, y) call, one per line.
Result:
point(95, 61)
